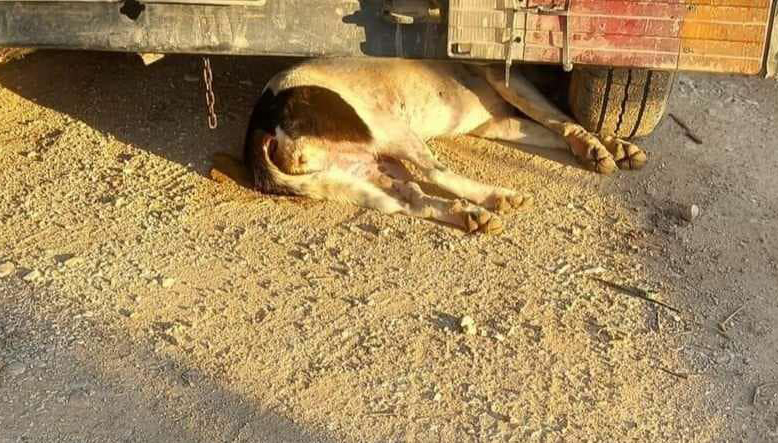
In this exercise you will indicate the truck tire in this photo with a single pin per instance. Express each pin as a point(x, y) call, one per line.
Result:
point(620, 102)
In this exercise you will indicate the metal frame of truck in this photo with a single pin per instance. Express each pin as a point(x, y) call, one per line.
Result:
point(637, 37)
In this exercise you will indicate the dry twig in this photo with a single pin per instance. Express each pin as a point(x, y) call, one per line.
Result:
point(674, 374)
point(687, 129)
point(387, 413)
point(635, 292)
point(723, 323)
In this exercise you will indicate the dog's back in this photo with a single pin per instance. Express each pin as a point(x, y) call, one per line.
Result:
point(431, 98)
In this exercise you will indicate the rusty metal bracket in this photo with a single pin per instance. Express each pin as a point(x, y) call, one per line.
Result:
point(567, 65)
point(510, 23)
point(409, 12)
point(559, 11)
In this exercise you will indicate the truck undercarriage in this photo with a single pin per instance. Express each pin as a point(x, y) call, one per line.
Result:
point(622, 53)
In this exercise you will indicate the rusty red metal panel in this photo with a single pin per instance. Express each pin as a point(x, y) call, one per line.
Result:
point(705, 35)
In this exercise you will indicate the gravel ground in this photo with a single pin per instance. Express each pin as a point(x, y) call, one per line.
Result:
point(140, 301)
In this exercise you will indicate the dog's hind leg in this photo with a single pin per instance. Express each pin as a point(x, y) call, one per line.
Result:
point(601, 155)
point(459, 213)
point(415, 151)
point(391, 196)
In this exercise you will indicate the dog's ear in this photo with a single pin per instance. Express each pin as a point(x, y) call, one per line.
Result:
point(264, 143)
point(229, 170)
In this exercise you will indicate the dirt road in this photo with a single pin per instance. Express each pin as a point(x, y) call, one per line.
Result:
point(140, 301)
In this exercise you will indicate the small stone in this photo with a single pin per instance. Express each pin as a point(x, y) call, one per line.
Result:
point(7, 269)
point(33, 155)
point(468, 325)
point(437, 397)
point(73, 262)
point(594, 270)
point(690, 212)
point(190, 378)
point(499, 337)
point(33, 275)
point(120, 202)
point(168, 282)
point(15, 369)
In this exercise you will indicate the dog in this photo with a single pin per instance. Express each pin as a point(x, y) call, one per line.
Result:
point(340, 129)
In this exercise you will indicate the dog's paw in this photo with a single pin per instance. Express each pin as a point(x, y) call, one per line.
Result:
point(590, 151)
point(476, 219)
point(505, 202)
point(626, 154)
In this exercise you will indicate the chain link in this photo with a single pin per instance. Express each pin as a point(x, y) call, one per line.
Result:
point(210, 99)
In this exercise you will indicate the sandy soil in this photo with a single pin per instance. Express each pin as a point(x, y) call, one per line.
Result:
point(140, 301)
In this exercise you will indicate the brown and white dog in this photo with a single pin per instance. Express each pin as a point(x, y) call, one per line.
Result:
point(339, 129)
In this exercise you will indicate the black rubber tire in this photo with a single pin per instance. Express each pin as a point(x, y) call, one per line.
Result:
point(620, 102)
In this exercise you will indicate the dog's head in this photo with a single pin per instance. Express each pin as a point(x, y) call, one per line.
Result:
point(293, 134)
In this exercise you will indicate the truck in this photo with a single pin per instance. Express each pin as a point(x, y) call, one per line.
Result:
point(622, 55)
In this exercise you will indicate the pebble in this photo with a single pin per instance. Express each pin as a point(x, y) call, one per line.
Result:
point(32, 275)
point(690, 212)
point(7, 269)
point(499, 337)
point(468, 325)
point(15, 369)
point(168, 282)
point(125, 312)
point(73, 261)
point(437, 397)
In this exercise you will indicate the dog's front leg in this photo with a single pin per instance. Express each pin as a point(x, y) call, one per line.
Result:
point(602, 155)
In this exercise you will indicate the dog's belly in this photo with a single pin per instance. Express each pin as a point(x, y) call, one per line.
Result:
point(439, 99)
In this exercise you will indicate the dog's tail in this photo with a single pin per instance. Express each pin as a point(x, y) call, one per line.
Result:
point(258, 173)
point(229, 170)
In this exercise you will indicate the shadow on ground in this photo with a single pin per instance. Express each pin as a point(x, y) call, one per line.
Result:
point(87, 381)
point(161, 108)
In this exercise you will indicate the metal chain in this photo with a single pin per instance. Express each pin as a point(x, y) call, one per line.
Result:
point(210, 99)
